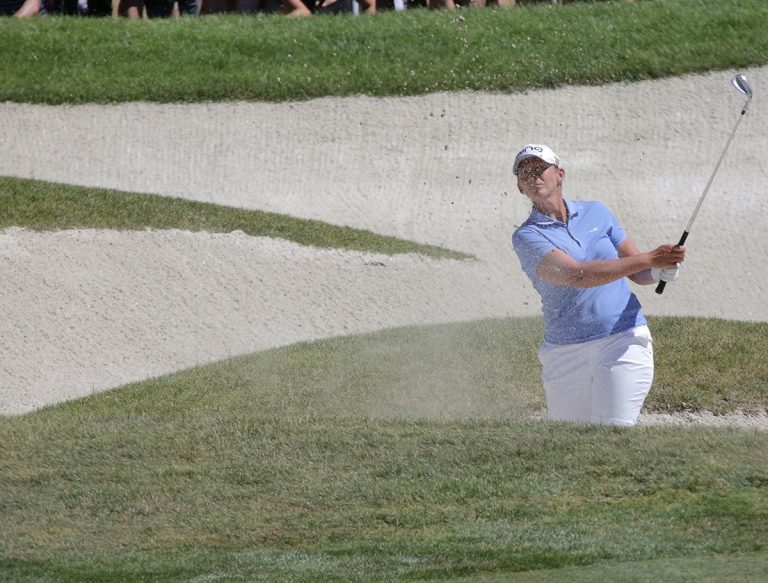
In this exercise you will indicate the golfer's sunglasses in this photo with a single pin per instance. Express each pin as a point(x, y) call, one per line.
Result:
point(533, 171)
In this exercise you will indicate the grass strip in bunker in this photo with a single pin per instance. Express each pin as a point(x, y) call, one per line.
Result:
point(45, 206)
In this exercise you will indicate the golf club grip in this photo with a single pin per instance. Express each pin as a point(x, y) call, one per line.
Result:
point(662, 284)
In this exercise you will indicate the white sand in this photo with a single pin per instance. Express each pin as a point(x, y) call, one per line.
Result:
point(86, 311)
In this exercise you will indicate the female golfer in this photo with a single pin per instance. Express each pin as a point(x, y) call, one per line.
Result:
point(597, 355)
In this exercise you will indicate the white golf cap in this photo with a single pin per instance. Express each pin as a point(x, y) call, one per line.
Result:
point(536, 151)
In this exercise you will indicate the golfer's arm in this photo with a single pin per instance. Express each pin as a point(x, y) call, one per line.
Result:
point(627, 249)
point(558, 268)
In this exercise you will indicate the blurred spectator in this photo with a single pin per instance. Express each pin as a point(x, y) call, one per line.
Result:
point(447, 4)
point(290, 7)
point(247, 6)
point(332, 6)
point(309, 7)
point(136, 9)
point(369, 6)
point(484, 3)
point(93, 7)
point(187, 7)
point(77, 7)
point(21, 8)
point(339, 6)
point(296, 8)
point(239, 6)
point(396, 5)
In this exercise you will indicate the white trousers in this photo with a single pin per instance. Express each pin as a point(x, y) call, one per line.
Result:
point(603, 381)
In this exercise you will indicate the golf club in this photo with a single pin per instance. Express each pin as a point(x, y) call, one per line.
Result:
point(739, 82)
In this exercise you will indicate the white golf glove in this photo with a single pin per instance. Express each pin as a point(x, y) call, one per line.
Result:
point(668, 275)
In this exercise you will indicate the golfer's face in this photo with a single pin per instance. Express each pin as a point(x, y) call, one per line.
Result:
point(536, 178)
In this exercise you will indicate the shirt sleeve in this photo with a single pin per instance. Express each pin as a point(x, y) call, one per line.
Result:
point(531, 246)
point(615, 231)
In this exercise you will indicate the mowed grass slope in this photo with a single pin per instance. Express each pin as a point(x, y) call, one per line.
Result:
point(68, 60)
point(477, 370)
point(44, 206)
point(401, 455)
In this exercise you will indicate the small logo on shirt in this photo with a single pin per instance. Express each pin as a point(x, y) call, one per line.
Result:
point(592, 230)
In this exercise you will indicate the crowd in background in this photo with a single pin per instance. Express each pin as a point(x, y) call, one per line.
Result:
point(175, 8)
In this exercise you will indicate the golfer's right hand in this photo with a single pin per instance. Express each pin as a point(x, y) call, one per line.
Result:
point(667, 256)
point(667, 275)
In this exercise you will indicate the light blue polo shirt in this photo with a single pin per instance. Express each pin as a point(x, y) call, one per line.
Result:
point(573, 315)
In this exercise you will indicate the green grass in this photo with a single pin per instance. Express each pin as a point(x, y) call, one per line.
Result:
point(45, 206)
point(481, 370)
point(398, 455)
point(402, 455)
point(741, 568)
point(711, 365)
point(69, 60)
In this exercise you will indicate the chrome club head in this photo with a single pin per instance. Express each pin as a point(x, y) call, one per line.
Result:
point(740, 82)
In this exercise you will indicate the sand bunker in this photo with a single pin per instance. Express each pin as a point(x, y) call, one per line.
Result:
point(90, 310)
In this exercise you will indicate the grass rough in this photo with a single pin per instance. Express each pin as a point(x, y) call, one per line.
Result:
point(60, 60)
point(319, 461)
point(45, 206)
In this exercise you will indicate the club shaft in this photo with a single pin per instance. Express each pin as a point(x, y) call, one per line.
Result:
point(662, 284)
point(717, 167)
point(741, 83)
